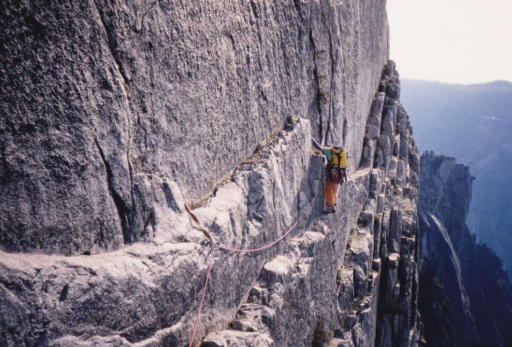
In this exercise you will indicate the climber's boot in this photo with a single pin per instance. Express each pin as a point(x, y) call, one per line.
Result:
point(329, 209)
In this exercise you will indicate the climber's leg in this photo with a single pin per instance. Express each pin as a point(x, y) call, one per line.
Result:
point(330, 195)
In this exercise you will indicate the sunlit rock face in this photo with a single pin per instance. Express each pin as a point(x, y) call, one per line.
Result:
point(103, 100)
point(119, 115)
point(463, 283)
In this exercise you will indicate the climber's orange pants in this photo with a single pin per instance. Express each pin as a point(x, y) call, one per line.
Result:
point(330, 190)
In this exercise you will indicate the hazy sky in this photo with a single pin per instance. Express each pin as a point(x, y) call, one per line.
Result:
point(456, 41)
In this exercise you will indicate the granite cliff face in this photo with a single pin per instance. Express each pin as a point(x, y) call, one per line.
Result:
point(104, 100)
point(117, 115)
point(464, 285)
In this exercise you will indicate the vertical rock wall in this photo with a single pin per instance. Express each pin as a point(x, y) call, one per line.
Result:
point(102, 100)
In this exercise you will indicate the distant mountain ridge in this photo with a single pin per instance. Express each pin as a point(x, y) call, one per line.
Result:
point(472, 123)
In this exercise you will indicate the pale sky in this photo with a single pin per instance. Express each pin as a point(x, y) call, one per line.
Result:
point(455, 41)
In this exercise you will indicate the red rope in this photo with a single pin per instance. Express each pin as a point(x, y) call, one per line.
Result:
point(209, 268)
point(203, 294)
point(290, 229)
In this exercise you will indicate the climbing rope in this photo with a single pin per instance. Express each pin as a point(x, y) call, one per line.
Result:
point(197, 318)
point(200, 306)
point(251, 250)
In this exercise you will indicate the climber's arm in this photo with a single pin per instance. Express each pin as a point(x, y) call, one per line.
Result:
point(316, 144)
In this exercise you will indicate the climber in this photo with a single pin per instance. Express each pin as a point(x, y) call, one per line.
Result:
point(335, 173)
